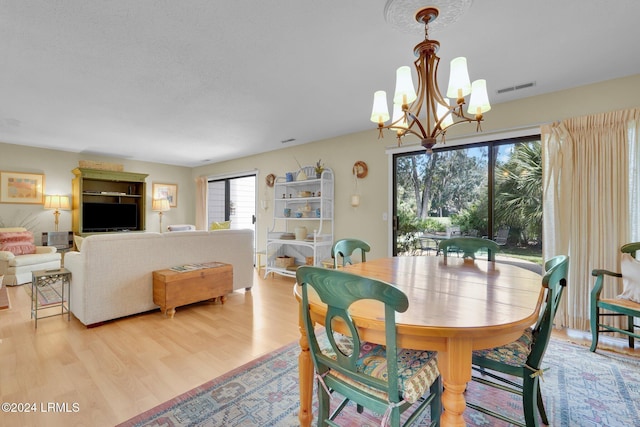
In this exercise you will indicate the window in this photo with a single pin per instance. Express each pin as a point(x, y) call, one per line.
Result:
point(480, 189)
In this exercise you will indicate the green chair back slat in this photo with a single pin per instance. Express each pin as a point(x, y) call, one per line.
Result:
point(345, 248)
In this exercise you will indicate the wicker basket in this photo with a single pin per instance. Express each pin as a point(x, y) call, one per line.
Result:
point(285, 261)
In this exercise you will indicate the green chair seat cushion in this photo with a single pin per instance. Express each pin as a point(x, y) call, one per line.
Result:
point(513, 354)
point(417, 369)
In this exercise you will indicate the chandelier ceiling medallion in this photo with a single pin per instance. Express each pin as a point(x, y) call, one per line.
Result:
point(427, 103)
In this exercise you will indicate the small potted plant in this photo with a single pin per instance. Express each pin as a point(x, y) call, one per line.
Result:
point(319, 168)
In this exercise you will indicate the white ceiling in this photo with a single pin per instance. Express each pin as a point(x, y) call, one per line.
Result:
point(191, 82)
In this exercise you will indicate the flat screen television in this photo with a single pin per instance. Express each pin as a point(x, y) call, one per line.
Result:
point(109, 217)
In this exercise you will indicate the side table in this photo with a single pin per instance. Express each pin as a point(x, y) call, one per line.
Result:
point(46, 279)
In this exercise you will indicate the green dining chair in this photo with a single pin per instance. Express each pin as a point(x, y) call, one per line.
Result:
point(523, 357)
point(469, 246)
point(345, 248)
point(384, 379)
point(603, 310)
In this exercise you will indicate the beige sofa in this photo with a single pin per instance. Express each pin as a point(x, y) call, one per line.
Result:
point(17, 269)
point(111, 275)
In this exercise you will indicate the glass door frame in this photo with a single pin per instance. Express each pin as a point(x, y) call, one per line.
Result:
point(492, 145)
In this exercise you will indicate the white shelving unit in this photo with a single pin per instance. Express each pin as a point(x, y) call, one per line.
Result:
point(309, 204)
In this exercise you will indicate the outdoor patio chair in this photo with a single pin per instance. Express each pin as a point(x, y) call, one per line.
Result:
point(472, 232)
point(502, 235)
point(345, 248)
point(427, 244)
point(617, 307)
point(384, 379)
point(523, 357)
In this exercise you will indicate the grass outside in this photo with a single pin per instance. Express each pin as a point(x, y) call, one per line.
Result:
point(530, 253)
point(533, 253)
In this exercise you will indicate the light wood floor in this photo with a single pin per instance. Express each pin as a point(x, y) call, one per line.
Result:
point(122, 368)
point(108, 374)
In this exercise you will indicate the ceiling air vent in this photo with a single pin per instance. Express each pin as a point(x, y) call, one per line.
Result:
point(516, 87)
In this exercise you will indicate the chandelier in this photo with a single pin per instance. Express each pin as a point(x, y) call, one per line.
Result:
point(437, 114)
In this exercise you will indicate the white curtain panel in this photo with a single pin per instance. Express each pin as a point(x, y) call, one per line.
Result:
point(202, 223)
point(634, 180)
point(590, 186)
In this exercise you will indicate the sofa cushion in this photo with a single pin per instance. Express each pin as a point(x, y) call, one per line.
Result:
point(224, 225)
point(31, 259)
point(17, 242)
point(5, 229)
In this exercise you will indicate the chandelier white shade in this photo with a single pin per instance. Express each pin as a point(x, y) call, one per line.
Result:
point(405, 93)
point(425, 113)
point(479, 102)
point(459, 83)
point(380, 112)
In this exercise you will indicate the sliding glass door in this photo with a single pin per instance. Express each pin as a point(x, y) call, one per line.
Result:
point(233, 199)
point(491, 190)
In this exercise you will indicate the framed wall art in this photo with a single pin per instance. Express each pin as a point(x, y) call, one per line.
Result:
point(166, 191)
point(20, 187)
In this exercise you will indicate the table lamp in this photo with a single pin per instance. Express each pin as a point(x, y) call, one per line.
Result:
point(160, 205)
point(57, 203)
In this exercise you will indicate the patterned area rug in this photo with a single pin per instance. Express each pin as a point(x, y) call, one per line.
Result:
point(4, 297)
point(580, 388)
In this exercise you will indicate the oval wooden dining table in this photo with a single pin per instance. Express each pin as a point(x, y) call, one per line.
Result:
point(456, 306)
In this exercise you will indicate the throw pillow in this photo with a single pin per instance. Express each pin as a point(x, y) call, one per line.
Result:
point(78, 241)
point(17, 242)
point(630, 278)
point(220, 225)
point(181, 227)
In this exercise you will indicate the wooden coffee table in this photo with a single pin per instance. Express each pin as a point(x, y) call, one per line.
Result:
point(173, 288)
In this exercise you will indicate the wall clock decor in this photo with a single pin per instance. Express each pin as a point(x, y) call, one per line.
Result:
point(360, 169)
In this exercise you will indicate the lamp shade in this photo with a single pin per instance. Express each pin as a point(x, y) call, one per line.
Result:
point(443, 111)
point(479, 102)
point(380, 112)
point(57, 202)
point(405, 93)
point(459, 83)
point(399, 117)
point(160, 205)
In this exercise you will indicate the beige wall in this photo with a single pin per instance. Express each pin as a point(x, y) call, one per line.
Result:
point(366, 222)
point(339, 153)
point(57, 166)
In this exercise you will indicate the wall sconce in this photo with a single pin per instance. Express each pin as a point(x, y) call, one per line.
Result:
point(160, 205)
point(57, 203)
point(360, 170)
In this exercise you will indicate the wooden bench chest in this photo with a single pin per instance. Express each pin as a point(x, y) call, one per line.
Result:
point(172, 288)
